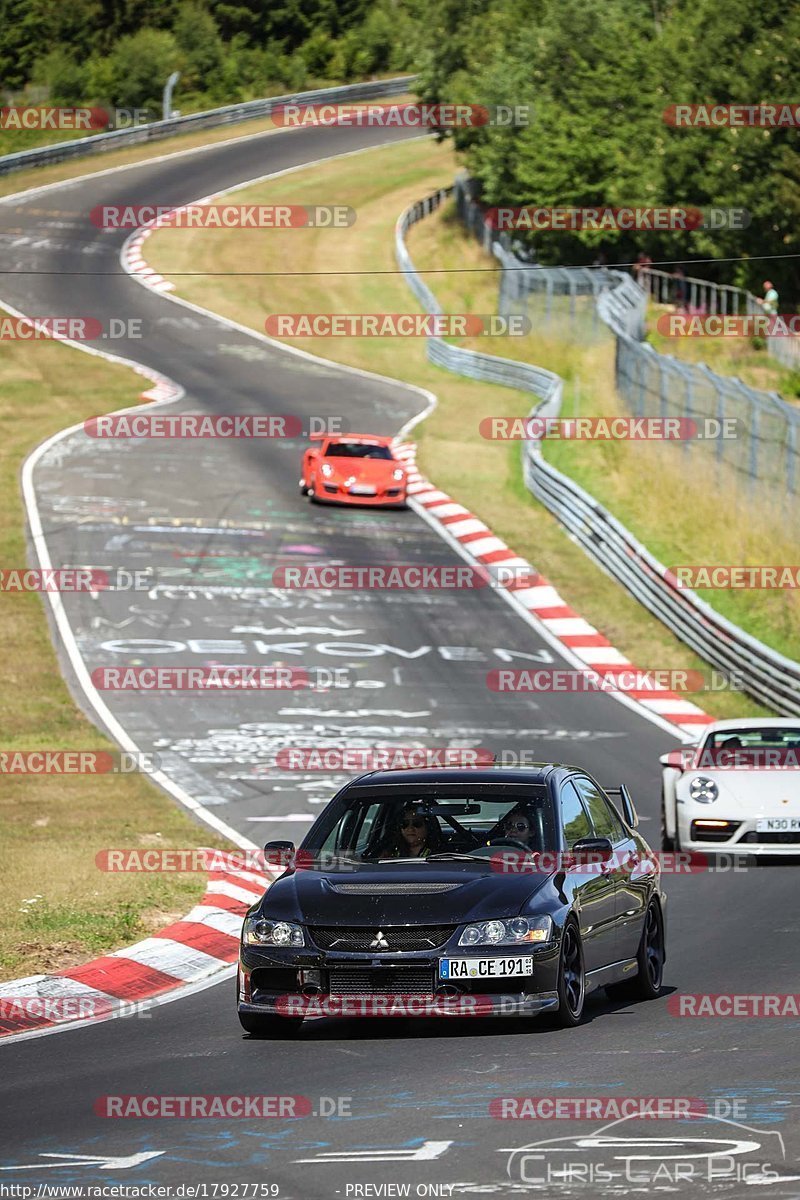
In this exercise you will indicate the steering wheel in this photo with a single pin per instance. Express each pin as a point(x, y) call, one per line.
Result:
point(507, 841)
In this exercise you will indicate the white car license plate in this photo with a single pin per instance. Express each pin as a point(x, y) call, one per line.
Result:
point(778, 825)
point(484, 968)
point(362, 490)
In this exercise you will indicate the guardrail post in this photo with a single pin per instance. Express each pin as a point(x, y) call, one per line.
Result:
point(791, 458)
point(169, 87)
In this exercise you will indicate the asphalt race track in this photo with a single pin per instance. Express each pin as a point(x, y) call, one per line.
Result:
point(411, 1101)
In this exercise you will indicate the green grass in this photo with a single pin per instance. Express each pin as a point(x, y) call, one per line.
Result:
point(56, 908)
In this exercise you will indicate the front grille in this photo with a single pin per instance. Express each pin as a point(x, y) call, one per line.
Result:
point(771, 839)
point(388, 981)
point(396, 937)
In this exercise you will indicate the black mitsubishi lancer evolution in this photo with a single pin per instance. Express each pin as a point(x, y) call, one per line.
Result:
point(483, 891)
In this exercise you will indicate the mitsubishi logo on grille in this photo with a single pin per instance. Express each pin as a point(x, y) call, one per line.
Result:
point(379, 942)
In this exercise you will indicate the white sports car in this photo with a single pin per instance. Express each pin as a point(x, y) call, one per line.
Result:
point(737, 791)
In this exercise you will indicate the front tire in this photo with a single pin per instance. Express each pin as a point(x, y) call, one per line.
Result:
point(571, 979)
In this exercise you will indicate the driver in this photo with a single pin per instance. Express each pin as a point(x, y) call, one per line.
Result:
point(415, 835)
point(517, 825)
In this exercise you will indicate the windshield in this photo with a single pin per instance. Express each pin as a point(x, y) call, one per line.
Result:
point(357, 450)
point(756, 739)
point(766, 746)
point(375, 829)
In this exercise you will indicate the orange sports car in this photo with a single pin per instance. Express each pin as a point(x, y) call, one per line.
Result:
point(353, 468)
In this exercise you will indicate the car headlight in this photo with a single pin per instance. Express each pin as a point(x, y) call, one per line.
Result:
point(703, 790)
point(515, 931)
point(258, 932)
point(398, 473)
point(327, 470)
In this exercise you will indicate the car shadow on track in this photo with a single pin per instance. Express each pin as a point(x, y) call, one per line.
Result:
point(330, 1029)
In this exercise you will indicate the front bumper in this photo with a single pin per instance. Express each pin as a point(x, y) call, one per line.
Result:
point(315, 983)
point(415, 1006)
point(741, 838)
point(341, 496)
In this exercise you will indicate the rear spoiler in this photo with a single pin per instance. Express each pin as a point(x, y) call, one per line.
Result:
point(626, 806)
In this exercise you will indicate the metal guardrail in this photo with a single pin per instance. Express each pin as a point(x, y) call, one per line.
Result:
point(766, 448)
point(767, 676)
point(471, 363)
point(209, 119)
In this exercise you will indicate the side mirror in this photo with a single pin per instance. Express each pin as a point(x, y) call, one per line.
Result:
point(675, 758)
point(599, 847)
point(279, 854)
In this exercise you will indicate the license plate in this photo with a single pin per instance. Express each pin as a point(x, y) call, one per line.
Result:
point(484, 968)
point(362, 491)
point(778, 825)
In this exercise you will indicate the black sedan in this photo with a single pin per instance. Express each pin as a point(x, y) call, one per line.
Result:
point(481, 891)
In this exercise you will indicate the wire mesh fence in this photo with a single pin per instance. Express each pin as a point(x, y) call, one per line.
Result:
point(588, 303)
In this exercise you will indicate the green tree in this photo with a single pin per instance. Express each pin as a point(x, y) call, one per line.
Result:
point(198, 39)
point(134, 74)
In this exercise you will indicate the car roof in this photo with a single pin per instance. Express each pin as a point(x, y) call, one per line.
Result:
point(434, 778)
